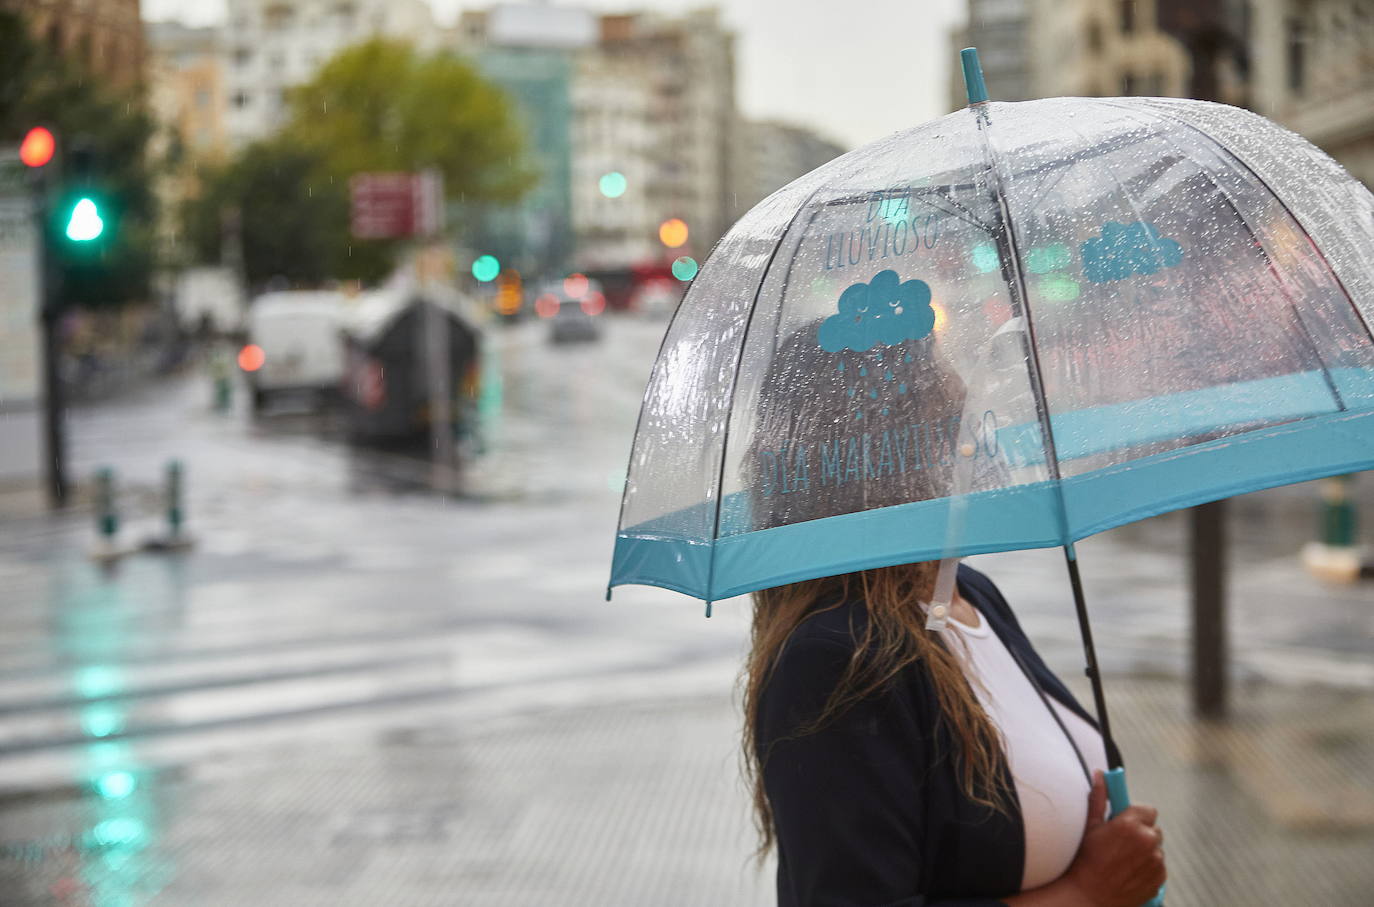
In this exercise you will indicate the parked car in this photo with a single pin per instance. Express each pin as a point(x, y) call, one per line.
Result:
point(294, 345)
point(572, 318)
point(656, 298)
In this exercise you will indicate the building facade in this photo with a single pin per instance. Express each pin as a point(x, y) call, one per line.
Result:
point(186, 87)
point(678, 113)
point(103, 37)
point(1000, 29)
point(770, 154)
point(1312, 69)
point(1103, 48)
point(272, 45)
point(616, 223)
point(529, 52)
point(646, 101)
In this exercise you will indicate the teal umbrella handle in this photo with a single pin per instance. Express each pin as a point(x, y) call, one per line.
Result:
point(1120, 798)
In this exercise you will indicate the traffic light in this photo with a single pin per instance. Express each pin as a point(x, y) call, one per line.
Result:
point(485, 268)
point(80, 210)
point(38, 147)
point(509, 293)
point(85, 223)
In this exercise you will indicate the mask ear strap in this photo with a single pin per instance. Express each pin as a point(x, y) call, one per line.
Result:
point(937, 615)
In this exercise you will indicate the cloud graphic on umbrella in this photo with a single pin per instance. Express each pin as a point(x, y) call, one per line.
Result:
point(1125, 249)
point(886, 311)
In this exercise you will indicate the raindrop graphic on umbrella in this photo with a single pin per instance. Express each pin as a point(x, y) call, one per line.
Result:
point(884, 312)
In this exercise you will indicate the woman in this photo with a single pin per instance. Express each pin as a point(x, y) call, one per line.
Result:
point(895, 765)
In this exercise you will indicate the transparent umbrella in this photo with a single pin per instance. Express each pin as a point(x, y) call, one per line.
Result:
point(1011, 327)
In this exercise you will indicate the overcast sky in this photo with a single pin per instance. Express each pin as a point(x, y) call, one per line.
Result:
point(854, 70)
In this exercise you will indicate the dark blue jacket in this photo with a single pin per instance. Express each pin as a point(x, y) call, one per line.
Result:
point(868, 809)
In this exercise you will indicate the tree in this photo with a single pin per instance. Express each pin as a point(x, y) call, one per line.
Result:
point(292, 218)
point(378, 106)
point(37, 87)
point(381, 106)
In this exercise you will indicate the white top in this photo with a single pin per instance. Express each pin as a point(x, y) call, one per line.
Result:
point(1049, 779)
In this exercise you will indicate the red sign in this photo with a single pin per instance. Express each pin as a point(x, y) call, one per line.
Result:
point(396, 205)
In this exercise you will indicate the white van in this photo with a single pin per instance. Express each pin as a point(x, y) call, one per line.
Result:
point(294, 345)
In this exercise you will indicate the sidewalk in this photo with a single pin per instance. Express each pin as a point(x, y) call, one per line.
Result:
point(640, 804)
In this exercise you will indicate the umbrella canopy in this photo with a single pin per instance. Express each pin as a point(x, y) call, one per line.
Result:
point(1011, 327)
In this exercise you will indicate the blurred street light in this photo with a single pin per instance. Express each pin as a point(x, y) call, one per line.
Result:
point(485, 268)
point(38, 147)
point(613, 184)
point(673, 232)
point(510, 290)
point(685, 268)
point(85, 223)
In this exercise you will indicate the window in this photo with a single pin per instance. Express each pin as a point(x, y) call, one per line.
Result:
point(202, 98)
point(278, 15)
point(1094, 37)
point(1127, 16)
point(1130, 85)
point(242, 56)
point(1297, 55)
point(242, 99)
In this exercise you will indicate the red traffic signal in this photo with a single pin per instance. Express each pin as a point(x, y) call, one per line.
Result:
point(38, 147)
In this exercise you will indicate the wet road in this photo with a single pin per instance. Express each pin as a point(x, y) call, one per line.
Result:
point(324, 579)
point(331, 597)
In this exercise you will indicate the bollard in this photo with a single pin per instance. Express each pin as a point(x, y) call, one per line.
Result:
point(223, 383)
point(1338, 512)
point(223, 393)
point(174, 508)
point(176, 538)
point(106, 516)
point(1335, 556)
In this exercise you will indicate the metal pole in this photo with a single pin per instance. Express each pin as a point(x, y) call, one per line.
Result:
point(175, 512)
point(49, 320)
point(1205, 38)
point(1090, 654)
point(1210, 649)
point(54, 436)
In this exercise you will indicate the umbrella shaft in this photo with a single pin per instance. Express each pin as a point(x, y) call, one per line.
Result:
point(1090, 654)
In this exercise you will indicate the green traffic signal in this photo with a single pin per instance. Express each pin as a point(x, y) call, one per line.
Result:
point(85, 224)
point(485, 268)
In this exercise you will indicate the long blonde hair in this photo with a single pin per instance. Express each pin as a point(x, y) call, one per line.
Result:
point(894, 638)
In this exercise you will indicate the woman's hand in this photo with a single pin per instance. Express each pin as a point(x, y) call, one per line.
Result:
point(1120, 862)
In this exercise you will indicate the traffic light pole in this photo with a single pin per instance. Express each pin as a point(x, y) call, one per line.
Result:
point(49, 319)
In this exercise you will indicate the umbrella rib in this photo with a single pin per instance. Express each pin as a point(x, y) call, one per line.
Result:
point(950, 206)
point(734, 388)
point(1227, 152)
point(1255, 240)
point(644, 402)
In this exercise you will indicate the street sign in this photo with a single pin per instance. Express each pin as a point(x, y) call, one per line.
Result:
point(396, 205)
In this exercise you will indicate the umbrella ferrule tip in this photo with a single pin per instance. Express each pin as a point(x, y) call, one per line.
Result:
point(973, 76)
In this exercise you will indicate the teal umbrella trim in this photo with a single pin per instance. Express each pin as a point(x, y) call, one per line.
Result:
point(1004, 520)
